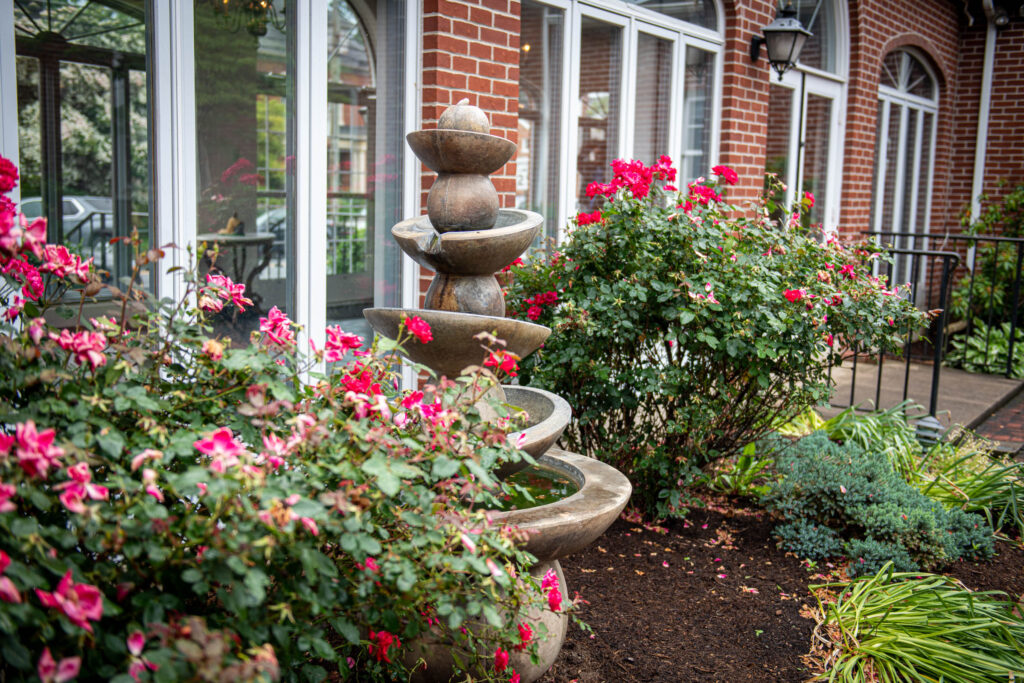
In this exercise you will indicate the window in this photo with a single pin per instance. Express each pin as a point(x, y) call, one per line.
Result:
point(908, 97)
point(804, 146)
point(83, 119)
point(632, 81)
point(248, 149)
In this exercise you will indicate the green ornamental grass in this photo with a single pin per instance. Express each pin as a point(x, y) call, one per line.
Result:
point(895, 626)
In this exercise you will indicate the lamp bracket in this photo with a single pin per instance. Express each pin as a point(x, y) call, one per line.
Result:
point(755, 47)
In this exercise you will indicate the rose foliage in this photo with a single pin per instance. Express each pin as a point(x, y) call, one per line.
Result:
point(172, 508)
point(685, 327)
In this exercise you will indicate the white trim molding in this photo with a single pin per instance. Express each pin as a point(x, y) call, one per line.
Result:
point(310, 202)
point(173, 121)
point(8, 103)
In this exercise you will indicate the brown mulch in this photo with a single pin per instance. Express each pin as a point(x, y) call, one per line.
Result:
point(707, 599)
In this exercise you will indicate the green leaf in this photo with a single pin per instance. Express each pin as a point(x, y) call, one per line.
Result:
point(191, 575)
point(444, 467)
point(23, 527)
point(347, 629)
point(379, 467)
point(16, 654)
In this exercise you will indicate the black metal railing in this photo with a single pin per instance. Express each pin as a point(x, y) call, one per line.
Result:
point(930, 274)
point(986, 310)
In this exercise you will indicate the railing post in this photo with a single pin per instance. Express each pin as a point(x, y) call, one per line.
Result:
point(948, 263)
point(1013, 308)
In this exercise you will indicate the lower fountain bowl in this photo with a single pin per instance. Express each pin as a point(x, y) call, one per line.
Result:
point(554, 530)
point(571, 524)
point(549, 414)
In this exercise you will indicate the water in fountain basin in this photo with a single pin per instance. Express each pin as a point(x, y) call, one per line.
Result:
point(543, 484)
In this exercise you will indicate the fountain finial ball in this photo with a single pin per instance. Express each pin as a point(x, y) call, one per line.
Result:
point(464, 116)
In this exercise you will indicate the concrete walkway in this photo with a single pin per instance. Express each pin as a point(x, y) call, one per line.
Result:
point(964, 398)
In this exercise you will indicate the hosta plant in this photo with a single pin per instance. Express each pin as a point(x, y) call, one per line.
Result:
point(686, 327)
point(173, 507)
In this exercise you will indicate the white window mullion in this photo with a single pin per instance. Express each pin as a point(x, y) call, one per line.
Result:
point(627, 90)
point(310, 202)
point(173, 122)
point(676, 110)
point(9, 103)
point(882, 153)
point(571, 109)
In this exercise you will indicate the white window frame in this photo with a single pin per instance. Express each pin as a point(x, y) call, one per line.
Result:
point(633, 20)
point(803, 81)
point(174, 166)
point(803, 84)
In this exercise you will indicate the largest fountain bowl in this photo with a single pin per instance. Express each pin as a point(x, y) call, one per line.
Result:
point(453, 346)
point(571, 524)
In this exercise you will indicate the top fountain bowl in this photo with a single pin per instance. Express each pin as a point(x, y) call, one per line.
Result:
point(460, 151)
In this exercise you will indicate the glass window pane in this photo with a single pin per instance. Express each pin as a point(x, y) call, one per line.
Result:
point(920, 220)
point(814, 175)
point(351, 120)
point(599, 95)
point(698, 98)
point(780, 113)
point(653, 90)
point(540, 112)
point(83, 125)
point(888, 189)
point(818, 16)
point(891, 67)
point(877, 167)
point(700, 12)
point(244, 140)
point(918, 81)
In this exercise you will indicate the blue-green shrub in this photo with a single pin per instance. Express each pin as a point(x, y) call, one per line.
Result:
point(841, 499)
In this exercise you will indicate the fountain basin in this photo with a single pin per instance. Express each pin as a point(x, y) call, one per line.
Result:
point(571, 524)
point(453, 347)
point(468, 252)
point(555, 530)
point(549, 414)
point(460, 151)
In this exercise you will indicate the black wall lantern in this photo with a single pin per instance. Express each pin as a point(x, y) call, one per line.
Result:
point(784, 39)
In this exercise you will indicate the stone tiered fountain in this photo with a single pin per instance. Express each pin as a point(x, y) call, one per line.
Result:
point(465, 238)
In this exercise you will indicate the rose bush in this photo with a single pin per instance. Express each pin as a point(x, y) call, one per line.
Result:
point(685, 328)
point(172, 507)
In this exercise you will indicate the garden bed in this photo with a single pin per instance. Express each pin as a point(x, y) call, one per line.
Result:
point(729, 606)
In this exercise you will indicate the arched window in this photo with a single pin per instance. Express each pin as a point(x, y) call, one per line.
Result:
point(908, 99)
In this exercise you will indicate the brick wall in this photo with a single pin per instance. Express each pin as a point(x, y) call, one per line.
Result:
point(1004, 154)
point(471, 50)
point(745, 96)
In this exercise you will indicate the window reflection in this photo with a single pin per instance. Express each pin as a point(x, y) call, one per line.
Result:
point(540, 107)
point(599, 101)
point(244, 136)
point(653, 92)
point(697, 102)
point(83, 126)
